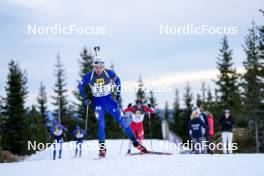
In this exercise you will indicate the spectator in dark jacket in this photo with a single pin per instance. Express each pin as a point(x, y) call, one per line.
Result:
point(195, 129)
point(226, 125)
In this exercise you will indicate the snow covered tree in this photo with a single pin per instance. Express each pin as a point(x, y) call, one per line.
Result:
point(60, 98)
point(16, 124)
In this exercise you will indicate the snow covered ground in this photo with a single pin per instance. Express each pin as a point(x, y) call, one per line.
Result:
point(116, 164)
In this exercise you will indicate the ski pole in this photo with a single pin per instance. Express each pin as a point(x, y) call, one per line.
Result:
point(121, 146)
point(122, 114)
point(97, 48)
point(86, 119)
point(150, 130)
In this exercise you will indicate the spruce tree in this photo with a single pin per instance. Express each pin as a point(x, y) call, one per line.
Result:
point(188, 103)
point(16, 124)
point(38, 128)
point(60, 98)
point(85, 64)
point(199, 101)
point(155, 119)
point(42, 102)
point(178, 121)
point(42, 107)
point(252, 82)
point(252, 96)
point(140, 91)
point(166, 112)
point(227, 81)
point(261, 61)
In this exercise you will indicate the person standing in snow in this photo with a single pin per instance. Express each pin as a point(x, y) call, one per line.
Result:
point(195, 131)
point(57, 131)
point(101, 82)
point(78, 134)
point(226, 125)
point(210, 134)
point(137, 113)
point(203, 116)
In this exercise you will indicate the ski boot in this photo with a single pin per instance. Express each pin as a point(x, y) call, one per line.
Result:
point(102, 150)
point(128, 152)
point(140, 147)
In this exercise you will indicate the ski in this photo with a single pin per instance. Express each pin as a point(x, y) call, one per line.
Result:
point(98, 158)
point(151, 153)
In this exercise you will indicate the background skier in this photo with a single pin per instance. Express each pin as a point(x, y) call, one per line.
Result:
point(57, 131)
point(78, 134)
point(137, 114)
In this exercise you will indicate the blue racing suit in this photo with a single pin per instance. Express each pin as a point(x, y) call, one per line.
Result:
point(103, 101)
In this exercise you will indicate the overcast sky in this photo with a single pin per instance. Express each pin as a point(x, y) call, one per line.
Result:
point(132, 40)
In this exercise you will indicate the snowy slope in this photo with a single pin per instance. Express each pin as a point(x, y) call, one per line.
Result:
point(118, 164)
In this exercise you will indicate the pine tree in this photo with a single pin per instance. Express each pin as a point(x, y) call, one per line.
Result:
point(155, 119)
point(188, 99)
point(140, 91)
point(38, 128)
point(252, 100)
point(227, 83)
point(199, 101)
point(85, 64)
point(16, 125)
point(1, 127)
point(42, 102)
point(209, 101)
point(177, 122)
point(166, 112)
point(60, 98)
point(261, 76)
point(42, 106)
point(252, 82)
point(203, 89)
point(261, 61)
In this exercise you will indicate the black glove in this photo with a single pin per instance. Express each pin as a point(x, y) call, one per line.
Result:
point(149, 105)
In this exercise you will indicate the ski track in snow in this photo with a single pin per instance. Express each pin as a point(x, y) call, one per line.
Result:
point(116, 164)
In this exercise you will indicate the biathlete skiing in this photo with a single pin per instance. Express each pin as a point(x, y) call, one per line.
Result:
point(101, 82)
point(137, 114)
